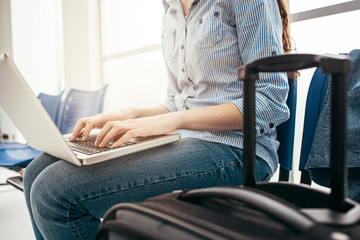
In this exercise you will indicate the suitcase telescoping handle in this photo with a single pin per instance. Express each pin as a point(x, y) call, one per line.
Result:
point(339, 67)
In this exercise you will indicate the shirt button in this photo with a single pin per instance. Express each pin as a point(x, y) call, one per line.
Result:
point(183, 70)
point(262, 131)
point(273, 53)
point(271, 125)
point(216, 14)
point(182, 46)
point(200, 21)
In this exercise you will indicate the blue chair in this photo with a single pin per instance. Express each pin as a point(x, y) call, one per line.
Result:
point(79, 104)
point(64, 112)
point(17, 155)
point(314, 102)
point(51, 104)
point(286, 131)
point(14, 154)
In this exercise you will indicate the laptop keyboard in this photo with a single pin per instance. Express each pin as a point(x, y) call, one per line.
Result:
point(87, 147)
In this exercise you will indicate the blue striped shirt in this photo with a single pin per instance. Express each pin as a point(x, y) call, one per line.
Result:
point(202, 52)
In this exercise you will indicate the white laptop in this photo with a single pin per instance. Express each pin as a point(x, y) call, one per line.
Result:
point(40, 132)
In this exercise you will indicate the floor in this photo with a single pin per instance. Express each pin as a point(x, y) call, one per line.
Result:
point(14, 218)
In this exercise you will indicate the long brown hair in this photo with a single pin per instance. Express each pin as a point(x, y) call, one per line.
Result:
point(286, 40)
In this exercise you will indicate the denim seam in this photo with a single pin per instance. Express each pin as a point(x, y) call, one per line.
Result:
point(74, 223)
point(155, 182)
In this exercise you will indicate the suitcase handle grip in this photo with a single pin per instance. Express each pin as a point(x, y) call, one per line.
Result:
point(292, 62)
point(339, 66)
point(289, 215)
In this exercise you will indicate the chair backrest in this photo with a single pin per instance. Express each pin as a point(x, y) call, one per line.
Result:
point(314, 102)
point(51, 104)
point(79, 104)
point(286, 131)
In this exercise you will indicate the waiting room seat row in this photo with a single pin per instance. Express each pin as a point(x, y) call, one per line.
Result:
point(67, 107)
point(64, 109)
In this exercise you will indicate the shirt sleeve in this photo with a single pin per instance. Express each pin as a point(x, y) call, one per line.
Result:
point(259, 31)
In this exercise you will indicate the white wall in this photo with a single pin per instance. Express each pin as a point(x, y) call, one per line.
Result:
point(5, 27)
point(36, 42)
point(6, 126)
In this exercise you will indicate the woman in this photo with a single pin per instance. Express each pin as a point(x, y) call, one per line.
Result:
point(203, 44)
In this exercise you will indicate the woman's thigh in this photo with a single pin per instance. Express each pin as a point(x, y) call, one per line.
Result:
point(189, 163)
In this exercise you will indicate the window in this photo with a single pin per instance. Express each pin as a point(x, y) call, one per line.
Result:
point(136, 80)
point(131, 53)
point(305, 5)
point(325, 26)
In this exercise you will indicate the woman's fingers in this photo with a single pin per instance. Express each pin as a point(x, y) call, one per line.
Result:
point(111, 130)
point(85, 125)
point(78, 129)
point(126, 137)
point(123, 131)
point(103, 133)
point(90, 125)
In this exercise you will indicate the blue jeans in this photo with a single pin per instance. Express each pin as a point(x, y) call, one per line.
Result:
point(67, 202)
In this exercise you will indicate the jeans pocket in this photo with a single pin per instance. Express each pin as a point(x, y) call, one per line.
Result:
point(209, 29)
point(355, 93)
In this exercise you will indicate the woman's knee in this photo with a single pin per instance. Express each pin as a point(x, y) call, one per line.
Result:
point(35, 168)
point(49, 191)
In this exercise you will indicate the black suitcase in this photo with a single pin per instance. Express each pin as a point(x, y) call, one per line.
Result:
point(255, 210)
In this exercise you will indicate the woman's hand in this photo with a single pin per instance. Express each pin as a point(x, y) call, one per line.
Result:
point(220, 117)
point(85, 125)
point(123, 125)
point(123, 131)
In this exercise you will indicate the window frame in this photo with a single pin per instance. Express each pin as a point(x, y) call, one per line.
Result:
point(324, 11)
